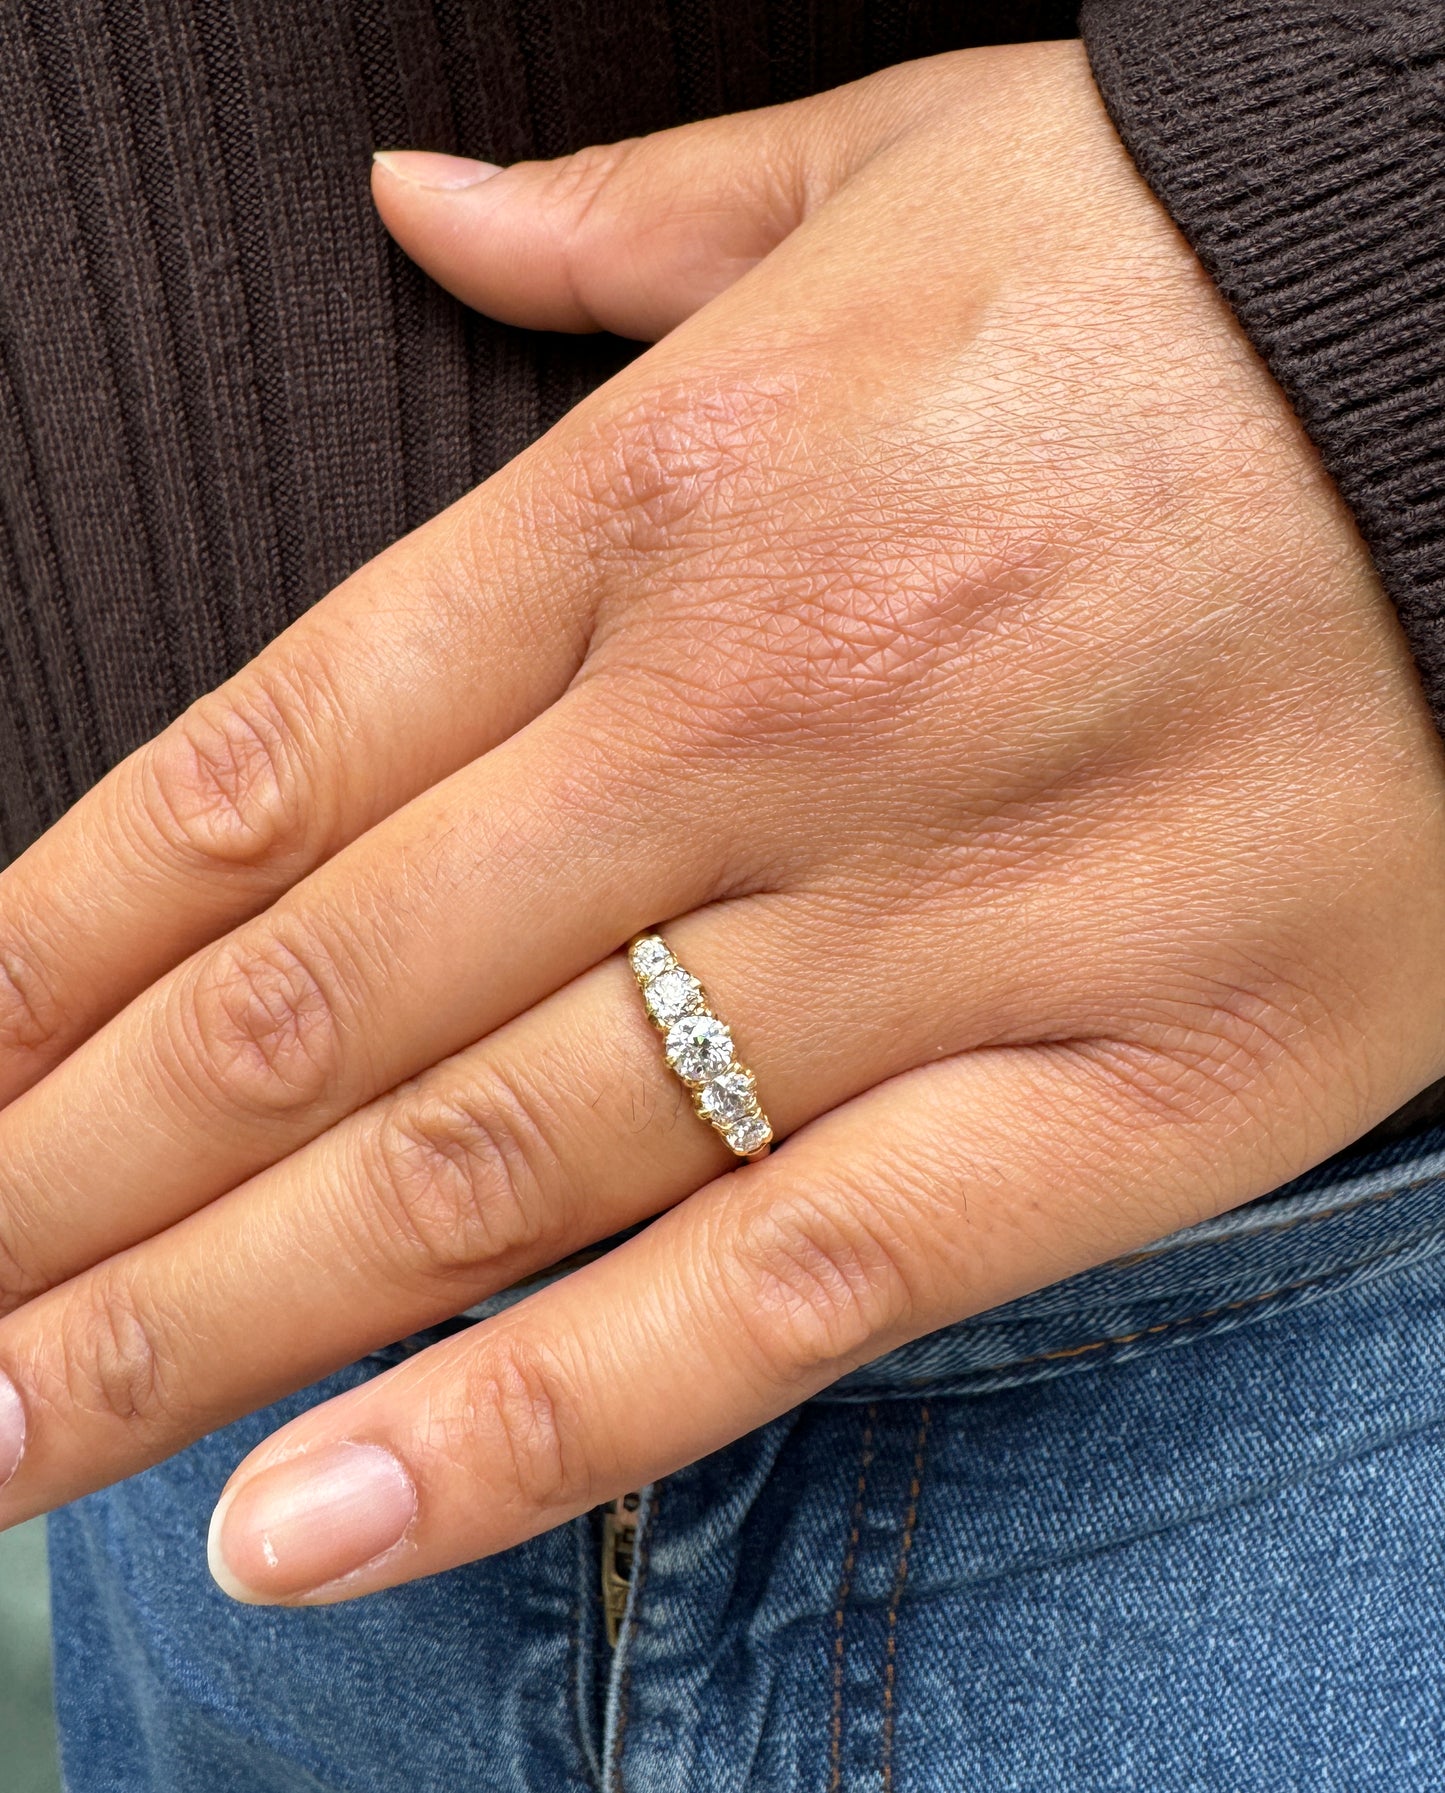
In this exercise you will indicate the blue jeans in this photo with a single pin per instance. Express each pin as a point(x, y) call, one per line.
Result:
point(1178, 1523)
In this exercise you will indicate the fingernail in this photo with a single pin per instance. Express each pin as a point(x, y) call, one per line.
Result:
point(427, 168)
point(309, 1521)
point(12, 1429)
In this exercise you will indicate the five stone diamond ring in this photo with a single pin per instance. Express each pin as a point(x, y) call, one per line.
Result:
point(699, 1048)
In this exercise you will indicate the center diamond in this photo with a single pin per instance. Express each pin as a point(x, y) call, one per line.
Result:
point(699, 1047)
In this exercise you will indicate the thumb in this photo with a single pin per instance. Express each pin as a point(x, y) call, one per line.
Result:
point(630, 237)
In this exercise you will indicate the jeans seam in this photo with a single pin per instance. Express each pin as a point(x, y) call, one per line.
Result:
point(1148, 1254)
point(845, 1588)
point(1208, 1313)
point(585, 1679)
point(895, 1599)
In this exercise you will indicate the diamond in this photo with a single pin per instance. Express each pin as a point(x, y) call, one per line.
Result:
point(650, 956)
point(672, 995)
point(729, 1097)
point(699, 1047)
point(748, 1135)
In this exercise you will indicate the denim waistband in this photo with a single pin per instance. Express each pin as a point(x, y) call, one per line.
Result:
point(1341, 1224)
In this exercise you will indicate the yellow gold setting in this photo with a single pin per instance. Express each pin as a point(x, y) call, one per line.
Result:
point(699, 1048)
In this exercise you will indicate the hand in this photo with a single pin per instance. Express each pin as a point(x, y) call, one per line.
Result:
point(948, 626)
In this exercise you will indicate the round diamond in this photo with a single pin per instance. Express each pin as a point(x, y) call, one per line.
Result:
point(672, 995)
point(748, 1135)
point(699, 1047)
point(650, 956)
point(729, 1097)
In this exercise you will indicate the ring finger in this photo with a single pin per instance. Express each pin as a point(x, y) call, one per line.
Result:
point(561, 1129)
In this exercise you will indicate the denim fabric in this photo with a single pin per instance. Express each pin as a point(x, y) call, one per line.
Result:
point(1176, 1524)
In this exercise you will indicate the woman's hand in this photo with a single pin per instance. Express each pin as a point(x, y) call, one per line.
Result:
point(946, 630)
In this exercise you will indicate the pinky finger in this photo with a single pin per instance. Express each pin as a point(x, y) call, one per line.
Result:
point(939, 1194)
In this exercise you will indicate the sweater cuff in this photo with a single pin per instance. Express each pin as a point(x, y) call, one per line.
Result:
point(1300, 147)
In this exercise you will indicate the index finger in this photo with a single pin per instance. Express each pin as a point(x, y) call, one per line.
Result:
point(430, 654)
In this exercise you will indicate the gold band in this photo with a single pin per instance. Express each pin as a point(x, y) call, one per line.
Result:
point(699, 1048)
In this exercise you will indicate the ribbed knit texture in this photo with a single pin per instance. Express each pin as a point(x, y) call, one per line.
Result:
point(221, 387)
point(1300, 146)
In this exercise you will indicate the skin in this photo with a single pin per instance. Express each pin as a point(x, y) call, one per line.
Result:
point(946, 631)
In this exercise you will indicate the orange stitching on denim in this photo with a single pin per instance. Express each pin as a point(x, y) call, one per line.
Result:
point(1209, 1313)
point(624, 1686)
point(1149, 1252)
point(900, 1577)
point(845, 1587)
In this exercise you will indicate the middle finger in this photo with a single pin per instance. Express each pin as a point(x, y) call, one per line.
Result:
point(455, 914)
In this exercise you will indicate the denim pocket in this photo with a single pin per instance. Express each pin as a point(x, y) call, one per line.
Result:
point(1341, 1224)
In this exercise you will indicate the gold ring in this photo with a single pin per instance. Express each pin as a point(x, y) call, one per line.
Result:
point(699, 1048)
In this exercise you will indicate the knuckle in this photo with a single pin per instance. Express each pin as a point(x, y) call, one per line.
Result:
point(461, 1176)
point(224, 786)
point(860, 632)
point(678, 459)
point(574, 184)
point(1215, 1046)
point(113, 1366)
point(1147, 1087)
point(518, 1412)
point(32, 1020)
point(261, 1027)
point(580, 191)
point(814, 1288)
point(19, 1283)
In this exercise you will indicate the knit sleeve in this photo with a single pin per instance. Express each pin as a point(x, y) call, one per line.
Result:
point(1300, 147)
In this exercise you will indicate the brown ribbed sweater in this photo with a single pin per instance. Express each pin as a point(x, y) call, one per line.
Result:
point(1300, 146)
